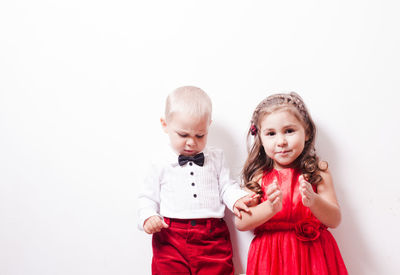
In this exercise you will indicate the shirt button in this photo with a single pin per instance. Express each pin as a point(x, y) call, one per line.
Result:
point(192, 183)
point(192, 173)
point(190, 163)
point(194, 195)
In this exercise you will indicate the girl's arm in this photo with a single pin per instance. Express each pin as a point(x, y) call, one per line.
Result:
point(259, 214)
point(322, 204)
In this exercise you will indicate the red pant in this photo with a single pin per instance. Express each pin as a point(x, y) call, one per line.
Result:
point(195, 246)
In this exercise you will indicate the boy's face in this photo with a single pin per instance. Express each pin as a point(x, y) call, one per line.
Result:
point(187, 134)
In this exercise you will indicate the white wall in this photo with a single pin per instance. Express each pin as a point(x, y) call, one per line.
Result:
point(83, 83)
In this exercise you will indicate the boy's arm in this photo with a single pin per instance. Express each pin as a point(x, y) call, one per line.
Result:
point(229, 189)
point(149, 196)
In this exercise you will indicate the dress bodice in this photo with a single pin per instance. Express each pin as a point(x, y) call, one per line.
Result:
point(293, 210)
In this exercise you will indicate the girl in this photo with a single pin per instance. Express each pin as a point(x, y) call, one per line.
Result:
point(298, 201)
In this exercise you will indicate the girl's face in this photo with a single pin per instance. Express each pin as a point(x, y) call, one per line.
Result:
point(283, 137)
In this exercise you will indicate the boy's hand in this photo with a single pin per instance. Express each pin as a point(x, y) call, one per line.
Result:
point(240, 205)
point(252, 199)
point(307, 193)
point(154, 224)
point(243, 204)
point(274, 196)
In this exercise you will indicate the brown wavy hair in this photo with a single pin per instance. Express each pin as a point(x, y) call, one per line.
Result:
point(257, 160)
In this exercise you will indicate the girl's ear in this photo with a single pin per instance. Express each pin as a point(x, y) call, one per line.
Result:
point(163, 124)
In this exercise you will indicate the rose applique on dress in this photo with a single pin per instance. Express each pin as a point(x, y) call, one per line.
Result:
point(307, 230)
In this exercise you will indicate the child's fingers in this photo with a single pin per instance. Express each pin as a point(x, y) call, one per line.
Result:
point(274, 195)
point(149, 228)
point(307, 192)
point(302, 180)
point(306, 189)
point(305, 201)
point(272, 188)
point(164, 224)
point(154, 224)
point(277, 204)
point(158, 226)
point(276, 201)
point(237, 213)
point(302, 188)
point(275, 183)
point(254, 199)
point(305, 184)
point(240, 205)
point(255, 196)
point(246, 200)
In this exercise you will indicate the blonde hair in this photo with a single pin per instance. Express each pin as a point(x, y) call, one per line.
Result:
point(189, 100)
point(258, 161)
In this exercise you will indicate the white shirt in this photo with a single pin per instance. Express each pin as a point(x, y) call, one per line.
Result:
point(189, 191)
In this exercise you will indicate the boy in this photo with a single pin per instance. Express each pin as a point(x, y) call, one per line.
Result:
point(183, 200)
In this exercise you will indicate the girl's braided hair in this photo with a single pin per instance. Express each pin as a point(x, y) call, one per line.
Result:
point(257, 161)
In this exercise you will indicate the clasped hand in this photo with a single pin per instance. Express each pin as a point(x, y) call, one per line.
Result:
point(307, 192)
point(154, 224)
point(244, 203)
point(274, 195)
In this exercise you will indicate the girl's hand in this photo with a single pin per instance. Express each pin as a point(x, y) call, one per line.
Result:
point(307, 193)
point(154, 224)
point(274, 196)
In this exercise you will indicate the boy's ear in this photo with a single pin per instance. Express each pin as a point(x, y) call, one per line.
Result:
point(163, 124)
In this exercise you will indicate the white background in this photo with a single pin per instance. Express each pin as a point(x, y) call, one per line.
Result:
point(83, 84)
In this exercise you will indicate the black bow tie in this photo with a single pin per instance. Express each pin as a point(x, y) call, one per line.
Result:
point(198, 159)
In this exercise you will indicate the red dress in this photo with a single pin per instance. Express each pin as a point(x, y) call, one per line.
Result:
point(293, 242)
